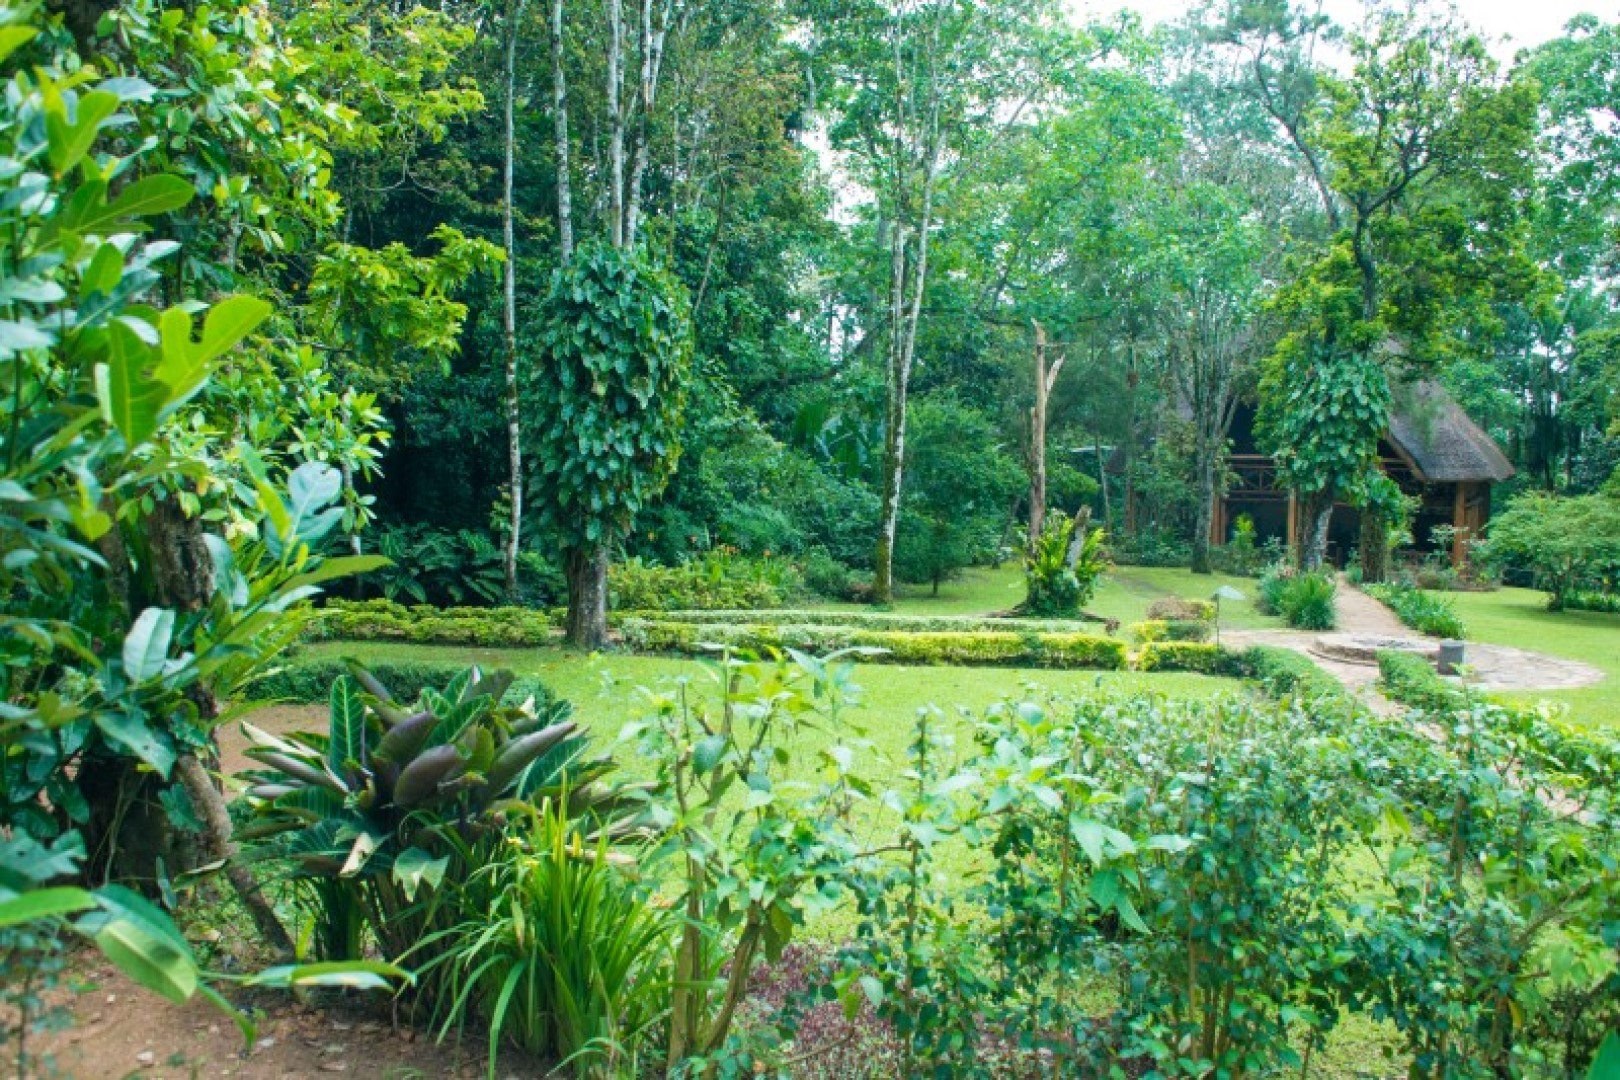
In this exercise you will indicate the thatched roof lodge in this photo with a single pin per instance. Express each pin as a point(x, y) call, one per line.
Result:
point(1432, 449)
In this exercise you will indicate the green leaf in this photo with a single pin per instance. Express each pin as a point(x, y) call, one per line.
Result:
point(146, 646)
point(131, 731)
point(1606, 1066)
point(707, 753)
point(228, 322)
point(44, 904)
point(346, 746)
point(346, 974)
point(13, 38)
point(66, 143)
point(142, 941)
point(152, 195)
point(130, 400)
point(415, 868)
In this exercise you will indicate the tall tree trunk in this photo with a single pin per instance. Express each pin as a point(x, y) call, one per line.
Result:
point(1128, 445)
point(1045, 380)
point(514, 432)
point(587, 570)
point(615, 106)
point(1313, 546)
point(559, 121)
point(1102, 480)
point(654, 34)
point(1205, 523)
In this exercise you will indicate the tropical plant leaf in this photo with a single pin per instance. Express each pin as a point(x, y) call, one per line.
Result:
point(39, 904)
point(346, 749)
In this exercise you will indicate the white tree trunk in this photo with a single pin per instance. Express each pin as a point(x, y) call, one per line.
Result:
point(514, 433)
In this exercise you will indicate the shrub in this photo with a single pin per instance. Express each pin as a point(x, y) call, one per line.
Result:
point(1564, 541)
point(825, 576)
point(449, 567)
point(719, 579)
point(384, 620)
point(1150, 547)
point(1274, 581)
point(1174, 609)
point(1242, 553)
point(1189, 630)
point(1188, 656)
point(1422, 611)
point(1606, 601)
point(1145, 633)
point(1062, 571)
point(561, 953)
point(1305, 601)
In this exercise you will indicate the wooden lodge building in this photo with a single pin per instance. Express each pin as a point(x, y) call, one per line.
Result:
point(1432, 450)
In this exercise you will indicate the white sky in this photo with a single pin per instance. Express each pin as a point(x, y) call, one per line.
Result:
point(1511, 24)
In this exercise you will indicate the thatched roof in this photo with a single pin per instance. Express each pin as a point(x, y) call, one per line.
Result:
point(1429, 427)
point(1433, 432)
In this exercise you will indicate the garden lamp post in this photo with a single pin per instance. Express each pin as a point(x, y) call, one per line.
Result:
point(1225, 592)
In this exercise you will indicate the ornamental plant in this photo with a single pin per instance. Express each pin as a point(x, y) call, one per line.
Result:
point(371, 816)
point(1062, 570)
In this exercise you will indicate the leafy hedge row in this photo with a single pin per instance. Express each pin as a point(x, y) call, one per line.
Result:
point(1411, 680)
point(865, 620)
point(1206, 659)
point(309, 679)
point(1426, 612)
point(1153, 630)
point(1283, 672)
point(966, 648)
point(385, 620)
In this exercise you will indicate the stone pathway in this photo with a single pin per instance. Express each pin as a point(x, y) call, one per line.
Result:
point(1491, 667)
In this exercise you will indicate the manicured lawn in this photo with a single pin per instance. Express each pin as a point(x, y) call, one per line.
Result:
point(1125, 594)
point(1519, 617)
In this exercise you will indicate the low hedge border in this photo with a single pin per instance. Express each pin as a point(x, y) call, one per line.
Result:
point(304, 680)
point(963, 648)
point(1426, 612)
point(865, 620)
point(1280, 673)
point(1195, 656)
point(1411, 680)
point(385, 620)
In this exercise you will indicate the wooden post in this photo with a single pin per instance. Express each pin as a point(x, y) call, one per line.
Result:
point(1459, 521)
point(1293, 522)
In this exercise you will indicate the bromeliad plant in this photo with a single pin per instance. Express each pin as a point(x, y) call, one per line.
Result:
point(374, 814)
point(1063, 567)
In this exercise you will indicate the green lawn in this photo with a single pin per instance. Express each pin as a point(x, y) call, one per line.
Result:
point(1519, 617)
point(1125, 594)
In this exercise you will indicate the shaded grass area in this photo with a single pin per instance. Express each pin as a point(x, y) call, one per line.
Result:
point(1519, 617)
point(1125, 594)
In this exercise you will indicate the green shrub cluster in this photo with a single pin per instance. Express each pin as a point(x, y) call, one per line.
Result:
point(1283, 672)
point(1303, 600)
point(867, 620)
point(385, 620)
point(719, 579)
point(943, 647)
point(1425, 612)
point(1606, 601)
point(1412, 680)
point(1175, 609)
point(1204, 658)
point(1056, 584)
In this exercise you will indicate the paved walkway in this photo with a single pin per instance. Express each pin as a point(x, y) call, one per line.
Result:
point(1491, 667)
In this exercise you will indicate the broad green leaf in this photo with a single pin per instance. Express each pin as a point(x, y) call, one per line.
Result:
point(13, 38)
point(146, 646)
point(415, 868)
point(707, 753)
point(131, 731)
point(1606, 1065)
point(152, 195)
point(346, 747)
point(142, 941)
point(67, 143)
point(131, 401)
point(228, 322)
point(346, 974)
point(44, 904)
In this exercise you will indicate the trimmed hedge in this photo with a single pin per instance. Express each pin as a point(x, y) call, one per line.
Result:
point(1285, 673)
point(965, 648)
point(308, 680)
point(1411, 680)
point(385, 620)
point(1174, 609)
point(867, 620)
point(1196, 656)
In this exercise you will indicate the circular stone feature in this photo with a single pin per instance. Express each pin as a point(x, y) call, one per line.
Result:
point(1364, 648)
